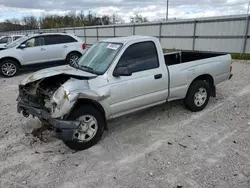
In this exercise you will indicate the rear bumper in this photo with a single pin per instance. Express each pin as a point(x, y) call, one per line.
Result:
point(231, 75)
point(64, 130)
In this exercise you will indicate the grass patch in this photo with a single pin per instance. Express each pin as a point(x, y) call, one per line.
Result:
point(241, 57)
point(169, 50)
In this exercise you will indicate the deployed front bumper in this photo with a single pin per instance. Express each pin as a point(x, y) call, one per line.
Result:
point(64, 130)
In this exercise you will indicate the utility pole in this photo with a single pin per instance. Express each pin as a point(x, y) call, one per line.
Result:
point(246, 30)
point(248, 7)
point(167, 11)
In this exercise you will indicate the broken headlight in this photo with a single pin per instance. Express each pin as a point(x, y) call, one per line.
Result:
point(59, 94)
point(59, 97)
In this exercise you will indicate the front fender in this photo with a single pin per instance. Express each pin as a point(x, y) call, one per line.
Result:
point(71, 98)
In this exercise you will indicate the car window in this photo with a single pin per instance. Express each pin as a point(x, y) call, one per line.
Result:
point(67, 39)
point(58, 39)
point(139, 57)
point(36, 41)
point(17, 42)
point(9, 40)
point(17, 37)
point(3, 40)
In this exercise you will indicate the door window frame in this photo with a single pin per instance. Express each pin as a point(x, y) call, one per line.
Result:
point(158, 62)
point(24, 42)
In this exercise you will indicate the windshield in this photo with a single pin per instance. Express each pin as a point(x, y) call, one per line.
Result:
point(16, 42)
point(99, 57)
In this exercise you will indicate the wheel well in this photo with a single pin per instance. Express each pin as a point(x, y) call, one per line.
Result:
point(97, 105)
point(73, 52)
point(11, 58)
point(208, 78)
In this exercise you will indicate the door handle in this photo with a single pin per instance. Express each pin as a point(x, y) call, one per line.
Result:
point(42, 49)
point(158, 76)
point(65, 46)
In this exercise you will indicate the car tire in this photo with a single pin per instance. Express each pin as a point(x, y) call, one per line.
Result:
point(72, 58)
point(9, 68)
point(81, 139)
point(198, 96)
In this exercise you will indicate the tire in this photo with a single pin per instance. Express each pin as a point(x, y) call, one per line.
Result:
point(11, 64)
point(72, 57)
point(197, 102)
point(87, 110)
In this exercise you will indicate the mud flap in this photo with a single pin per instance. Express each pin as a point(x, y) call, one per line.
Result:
point(213, 91)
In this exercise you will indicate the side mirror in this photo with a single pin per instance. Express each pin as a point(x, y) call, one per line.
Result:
point(122, 71)
point(22, 46)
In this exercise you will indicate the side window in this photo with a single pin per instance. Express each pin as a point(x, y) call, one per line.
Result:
point(58, 39)
point(17, 37)
point(67, 39)
point(51, 39)
point(9, 40)
point(36, 41)
point(4, 40)
point(139, 57)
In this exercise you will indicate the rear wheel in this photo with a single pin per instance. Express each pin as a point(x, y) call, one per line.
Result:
point(72, 58)
point(198, 96)
point(90, 130)
point(9, 68)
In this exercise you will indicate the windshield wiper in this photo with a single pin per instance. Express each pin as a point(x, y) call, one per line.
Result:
point(91, 70)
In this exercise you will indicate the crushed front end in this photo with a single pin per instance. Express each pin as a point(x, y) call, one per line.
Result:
point(49, 101)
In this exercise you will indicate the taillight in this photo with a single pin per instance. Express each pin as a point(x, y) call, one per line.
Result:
point(83, 46)
point(231, 68)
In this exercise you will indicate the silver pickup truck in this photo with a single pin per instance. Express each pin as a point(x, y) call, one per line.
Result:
point(116, 77)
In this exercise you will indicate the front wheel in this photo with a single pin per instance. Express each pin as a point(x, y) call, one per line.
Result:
point(9, 68)
point(198, 96)
point(90, 130)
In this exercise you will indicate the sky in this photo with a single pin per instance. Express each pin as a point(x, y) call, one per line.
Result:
point(153, 10)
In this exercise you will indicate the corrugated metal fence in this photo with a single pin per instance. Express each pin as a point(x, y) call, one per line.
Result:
point(223, 34)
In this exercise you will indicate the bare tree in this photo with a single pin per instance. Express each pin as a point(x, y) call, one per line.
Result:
point(137, 18)
point(30, 22)
point(117, 19)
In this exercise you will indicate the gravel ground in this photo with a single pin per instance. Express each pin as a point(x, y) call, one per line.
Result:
point(154, 148)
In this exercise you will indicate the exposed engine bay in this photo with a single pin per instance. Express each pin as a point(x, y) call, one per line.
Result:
point(38, 94)
point(49, 99)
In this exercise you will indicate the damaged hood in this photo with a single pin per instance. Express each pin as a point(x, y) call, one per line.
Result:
point(49, 72)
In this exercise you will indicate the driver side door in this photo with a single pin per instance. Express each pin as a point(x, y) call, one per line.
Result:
point(147, 86)
point(34, 52)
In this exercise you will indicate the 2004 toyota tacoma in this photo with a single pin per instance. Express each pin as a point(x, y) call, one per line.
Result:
point(116, 77)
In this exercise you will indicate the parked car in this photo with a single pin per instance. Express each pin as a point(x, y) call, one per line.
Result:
point(116, 77)
point(4, 40)
point(37, 49)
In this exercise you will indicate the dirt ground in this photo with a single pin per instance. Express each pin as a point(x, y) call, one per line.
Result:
point(155, 148)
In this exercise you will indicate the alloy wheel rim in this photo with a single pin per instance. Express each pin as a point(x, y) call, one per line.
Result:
point(8, 69)
point(87, 128)
point(73, 59)
point(200, 97)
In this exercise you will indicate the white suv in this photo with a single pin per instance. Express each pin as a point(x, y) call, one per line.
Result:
point(37, 49)
point(4, 40)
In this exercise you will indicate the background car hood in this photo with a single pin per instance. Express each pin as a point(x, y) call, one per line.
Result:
point(49, 72)
point(2, 45)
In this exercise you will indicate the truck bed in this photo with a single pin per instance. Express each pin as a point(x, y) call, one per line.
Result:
point(178, 57)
